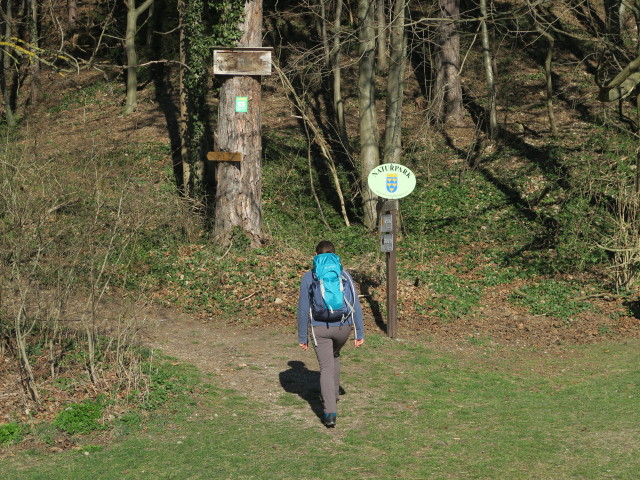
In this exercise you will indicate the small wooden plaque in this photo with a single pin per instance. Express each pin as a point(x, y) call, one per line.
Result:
point(242, 61)
point(224, 157)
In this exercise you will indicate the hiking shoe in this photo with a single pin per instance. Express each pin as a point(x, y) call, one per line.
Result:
point(329, 420)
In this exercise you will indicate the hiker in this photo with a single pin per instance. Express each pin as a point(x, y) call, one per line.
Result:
point(329, 302)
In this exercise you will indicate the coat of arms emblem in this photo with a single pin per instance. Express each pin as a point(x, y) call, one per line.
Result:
point(392, 182)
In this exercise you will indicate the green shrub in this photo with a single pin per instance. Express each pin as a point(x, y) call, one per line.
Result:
point(452, 297)
point(80, 417)
point(551, 298)
point(11, 433)
point(168, 382)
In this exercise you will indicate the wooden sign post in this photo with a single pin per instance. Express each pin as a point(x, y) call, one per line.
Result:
point(391, 181)
point(240, 61)
point(389, 231)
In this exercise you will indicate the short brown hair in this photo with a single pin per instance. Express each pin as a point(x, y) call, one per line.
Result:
point(325, 246)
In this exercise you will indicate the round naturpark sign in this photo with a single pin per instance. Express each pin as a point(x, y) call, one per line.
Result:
point(391, 181)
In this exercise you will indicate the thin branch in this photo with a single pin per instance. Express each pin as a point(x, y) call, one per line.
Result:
point(225, 253)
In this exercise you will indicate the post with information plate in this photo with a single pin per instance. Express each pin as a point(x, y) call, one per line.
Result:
point(391, 181)
point(389, 229)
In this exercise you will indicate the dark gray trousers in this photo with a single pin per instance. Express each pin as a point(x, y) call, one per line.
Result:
point(327, 342)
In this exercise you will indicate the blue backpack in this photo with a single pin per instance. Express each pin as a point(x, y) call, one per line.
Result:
point(332, 295)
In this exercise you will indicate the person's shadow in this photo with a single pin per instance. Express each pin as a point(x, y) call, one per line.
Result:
point(305, 383)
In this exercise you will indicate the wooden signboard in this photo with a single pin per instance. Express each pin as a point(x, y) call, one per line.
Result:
point(224, 156)
point(242, 61)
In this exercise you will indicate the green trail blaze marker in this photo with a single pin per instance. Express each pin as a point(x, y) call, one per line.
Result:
point(242, 104)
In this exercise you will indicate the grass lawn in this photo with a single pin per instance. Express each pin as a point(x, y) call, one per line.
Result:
point(413, 411)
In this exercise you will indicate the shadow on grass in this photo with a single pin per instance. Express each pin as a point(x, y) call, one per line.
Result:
point(305, 383)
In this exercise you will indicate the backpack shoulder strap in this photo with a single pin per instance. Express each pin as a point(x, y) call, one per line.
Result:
point(347, 279)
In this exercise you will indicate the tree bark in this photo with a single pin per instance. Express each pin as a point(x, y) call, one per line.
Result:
point(324, 35)
point(448, 88)
point(338, 102)
point(7, 64)
point(488, 67)
point(182, 128)
point(25, 364)
point(239, 184)
point(395, 86)
point(612, 20)
point(72, 10)
point(381, 36)
point(548, 77)
point(369, 136)
point(196, 137)
point(35, 62)
point(133, 13)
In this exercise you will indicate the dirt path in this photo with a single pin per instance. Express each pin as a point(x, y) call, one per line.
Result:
point(260, 364)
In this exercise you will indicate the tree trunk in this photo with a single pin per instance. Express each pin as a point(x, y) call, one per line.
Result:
point(549, 78)
point(72, 9)
point(322, 26)
point(21, 336)
point(7, 65)
point(133, 13)
point(239, 184)
point(612, 20)
point(395, 86)
point(35, 62)
point(381, 34)
point(636, 15)
point(338, 103)
point(131, 101)
point(196, 133)
point(150, 24)
point(182, 128)
point(488, 67)
point(369, 136)
point(448, 93)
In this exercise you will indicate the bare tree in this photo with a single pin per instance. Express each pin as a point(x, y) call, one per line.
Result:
point(369, 136)
point(72, 10)
point(321, 22)
point(338, 102)
point(133, 13)
point(548, 72)
point(613, 19)
point(488, 67)
point(448, 88)
point(34, 33)
point(186, 179)
point(395, 85)
point(381, 36)
point(7, 67)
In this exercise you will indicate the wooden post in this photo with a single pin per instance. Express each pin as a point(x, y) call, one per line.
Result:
point(390, 208)
point(393, 182)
